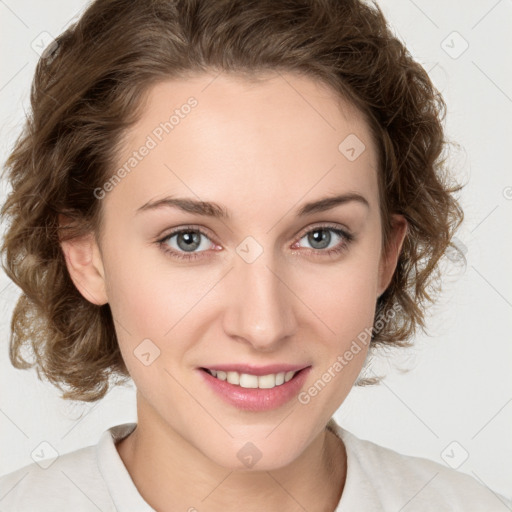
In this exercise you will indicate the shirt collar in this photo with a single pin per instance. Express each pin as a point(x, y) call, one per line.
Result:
point(120, 485)
point(359, 492)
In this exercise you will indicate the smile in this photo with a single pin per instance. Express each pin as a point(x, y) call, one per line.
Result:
point(255, 389)
point(247, 380)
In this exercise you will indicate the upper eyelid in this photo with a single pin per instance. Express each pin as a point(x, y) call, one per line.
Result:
point(325, 225)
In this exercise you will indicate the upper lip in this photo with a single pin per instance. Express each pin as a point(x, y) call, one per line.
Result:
point(257, 370)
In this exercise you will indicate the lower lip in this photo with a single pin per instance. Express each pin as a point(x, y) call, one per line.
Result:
point(256, 399)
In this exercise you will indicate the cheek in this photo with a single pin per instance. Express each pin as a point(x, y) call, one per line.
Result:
point(344, 300)
point(344, 295)
point(152, 299)
point(137, 288)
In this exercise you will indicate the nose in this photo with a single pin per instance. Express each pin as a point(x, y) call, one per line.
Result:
point(261, 306)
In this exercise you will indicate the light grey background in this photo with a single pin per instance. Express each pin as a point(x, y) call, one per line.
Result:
point(456, 401)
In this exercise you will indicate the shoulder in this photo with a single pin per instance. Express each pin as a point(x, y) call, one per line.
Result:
point(395, 480)
point(75, 475)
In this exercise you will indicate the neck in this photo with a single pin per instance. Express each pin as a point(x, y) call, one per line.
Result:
point(169, 473)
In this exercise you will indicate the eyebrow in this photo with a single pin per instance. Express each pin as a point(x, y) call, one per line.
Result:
point(211, 209)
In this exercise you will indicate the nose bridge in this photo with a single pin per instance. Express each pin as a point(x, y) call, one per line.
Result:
point(261, 309)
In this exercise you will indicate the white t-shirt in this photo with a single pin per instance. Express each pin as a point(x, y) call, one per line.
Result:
point(95, 479)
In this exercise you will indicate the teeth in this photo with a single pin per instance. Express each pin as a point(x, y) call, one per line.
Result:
point(246, 380)
point(233, 378)
point(288, 376)
point(267, 381)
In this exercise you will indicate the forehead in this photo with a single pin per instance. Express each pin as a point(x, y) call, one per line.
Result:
point(238, 141)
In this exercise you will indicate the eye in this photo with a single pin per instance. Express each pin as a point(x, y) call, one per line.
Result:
point(324, 243)
point(187, 240)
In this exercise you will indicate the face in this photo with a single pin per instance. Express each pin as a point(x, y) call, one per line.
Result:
point(271, 286)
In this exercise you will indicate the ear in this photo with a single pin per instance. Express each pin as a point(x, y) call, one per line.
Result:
point(389, 258)
point(85, 266)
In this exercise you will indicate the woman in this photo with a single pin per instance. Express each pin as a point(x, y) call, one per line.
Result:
point(231, 203)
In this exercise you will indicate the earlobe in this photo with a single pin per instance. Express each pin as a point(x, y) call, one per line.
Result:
point(389, 259)
point(85, 267)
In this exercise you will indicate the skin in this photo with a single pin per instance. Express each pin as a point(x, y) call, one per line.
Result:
point(261, 150)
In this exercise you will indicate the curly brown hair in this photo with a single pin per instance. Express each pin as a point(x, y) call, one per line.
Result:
point(90, 87)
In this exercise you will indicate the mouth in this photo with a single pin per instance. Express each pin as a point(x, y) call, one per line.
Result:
point(251, 381)
point(255, 388)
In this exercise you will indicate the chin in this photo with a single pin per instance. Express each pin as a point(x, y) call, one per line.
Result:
point(256, 455)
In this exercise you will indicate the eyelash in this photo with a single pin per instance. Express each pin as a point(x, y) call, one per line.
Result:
point(347, 239)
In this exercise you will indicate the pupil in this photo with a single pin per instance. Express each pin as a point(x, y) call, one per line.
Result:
point(191, 238)
point(315, 239)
